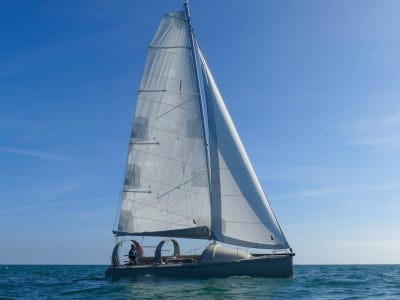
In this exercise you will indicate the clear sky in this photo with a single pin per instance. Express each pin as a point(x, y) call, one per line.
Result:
point(312, 86)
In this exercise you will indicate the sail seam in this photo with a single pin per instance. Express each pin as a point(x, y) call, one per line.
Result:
point(173, 108)
point(163, 156)
point(170, 131)
point(170, 47)
point(165, 210)
point(166, 51)
point(160, 221)
point(165, 77)
point(174, 17)
point(169, 185)
point(169, 92)
point(168, 104)
point(178, 186)
point(243, 222)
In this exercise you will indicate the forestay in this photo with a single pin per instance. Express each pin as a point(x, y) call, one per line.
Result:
point(241, 214)
point(166, 188)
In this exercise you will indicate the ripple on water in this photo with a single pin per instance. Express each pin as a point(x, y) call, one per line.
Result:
point(309, 282)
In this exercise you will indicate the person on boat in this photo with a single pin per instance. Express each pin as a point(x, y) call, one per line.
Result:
point(132, 255)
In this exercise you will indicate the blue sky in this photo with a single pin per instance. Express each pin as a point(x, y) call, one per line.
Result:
point(312, 86)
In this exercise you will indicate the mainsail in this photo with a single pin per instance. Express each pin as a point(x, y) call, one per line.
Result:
point(166, 189)
point(171, 188)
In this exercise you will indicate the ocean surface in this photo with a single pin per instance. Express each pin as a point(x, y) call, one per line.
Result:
point(309, 282)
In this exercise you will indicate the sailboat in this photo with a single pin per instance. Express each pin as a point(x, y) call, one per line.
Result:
point(188, 175)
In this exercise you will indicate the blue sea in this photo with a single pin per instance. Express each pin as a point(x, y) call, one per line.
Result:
point(309, 282)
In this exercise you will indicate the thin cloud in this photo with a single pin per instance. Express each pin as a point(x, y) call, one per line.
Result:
point(50, 196)
point(379, 141)
point(46, 155)
point(382, 131)
point(33, 153)
point(319, 192)
point(316, 192)
point(46, 204)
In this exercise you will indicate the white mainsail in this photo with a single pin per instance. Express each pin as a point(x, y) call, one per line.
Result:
point(166, 189)
point(241, 214)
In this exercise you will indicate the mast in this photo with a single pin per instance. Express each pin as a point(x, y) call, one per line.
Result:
point(186, 6)
point(194, 57)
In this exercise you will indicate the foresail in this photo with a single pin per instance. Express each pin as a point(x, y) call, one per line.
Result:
point(241, 214)
point(166, 189)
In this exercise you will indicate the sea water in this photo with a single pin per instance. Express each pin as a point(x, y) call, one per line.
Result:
point(309, 282)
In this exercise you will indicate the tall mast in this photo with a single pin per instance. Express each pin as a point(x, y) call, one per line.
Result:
point(186, 5)
point(194, 57)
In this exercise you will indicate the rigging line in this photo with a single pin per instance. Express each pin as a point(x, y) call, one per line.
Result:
point(169, 47)
point(157, 75)
point(242, 222)
point(199, 195)
point(168, 66)
point(168, 92)
point(162, 209)
point(175, 107)
point(161, 156)
point(168, 51)
point(165, 222)
point(182, 93)
point(192, 96)
point(168, 185)
point(178, 186)
point(156, 155)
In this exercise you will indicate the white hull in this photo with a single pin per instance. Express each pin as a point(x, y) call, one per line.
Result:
point(265, 266)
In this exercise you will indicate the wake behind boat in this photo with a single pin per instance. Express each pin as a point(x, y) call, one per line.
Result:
point(186, 178)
